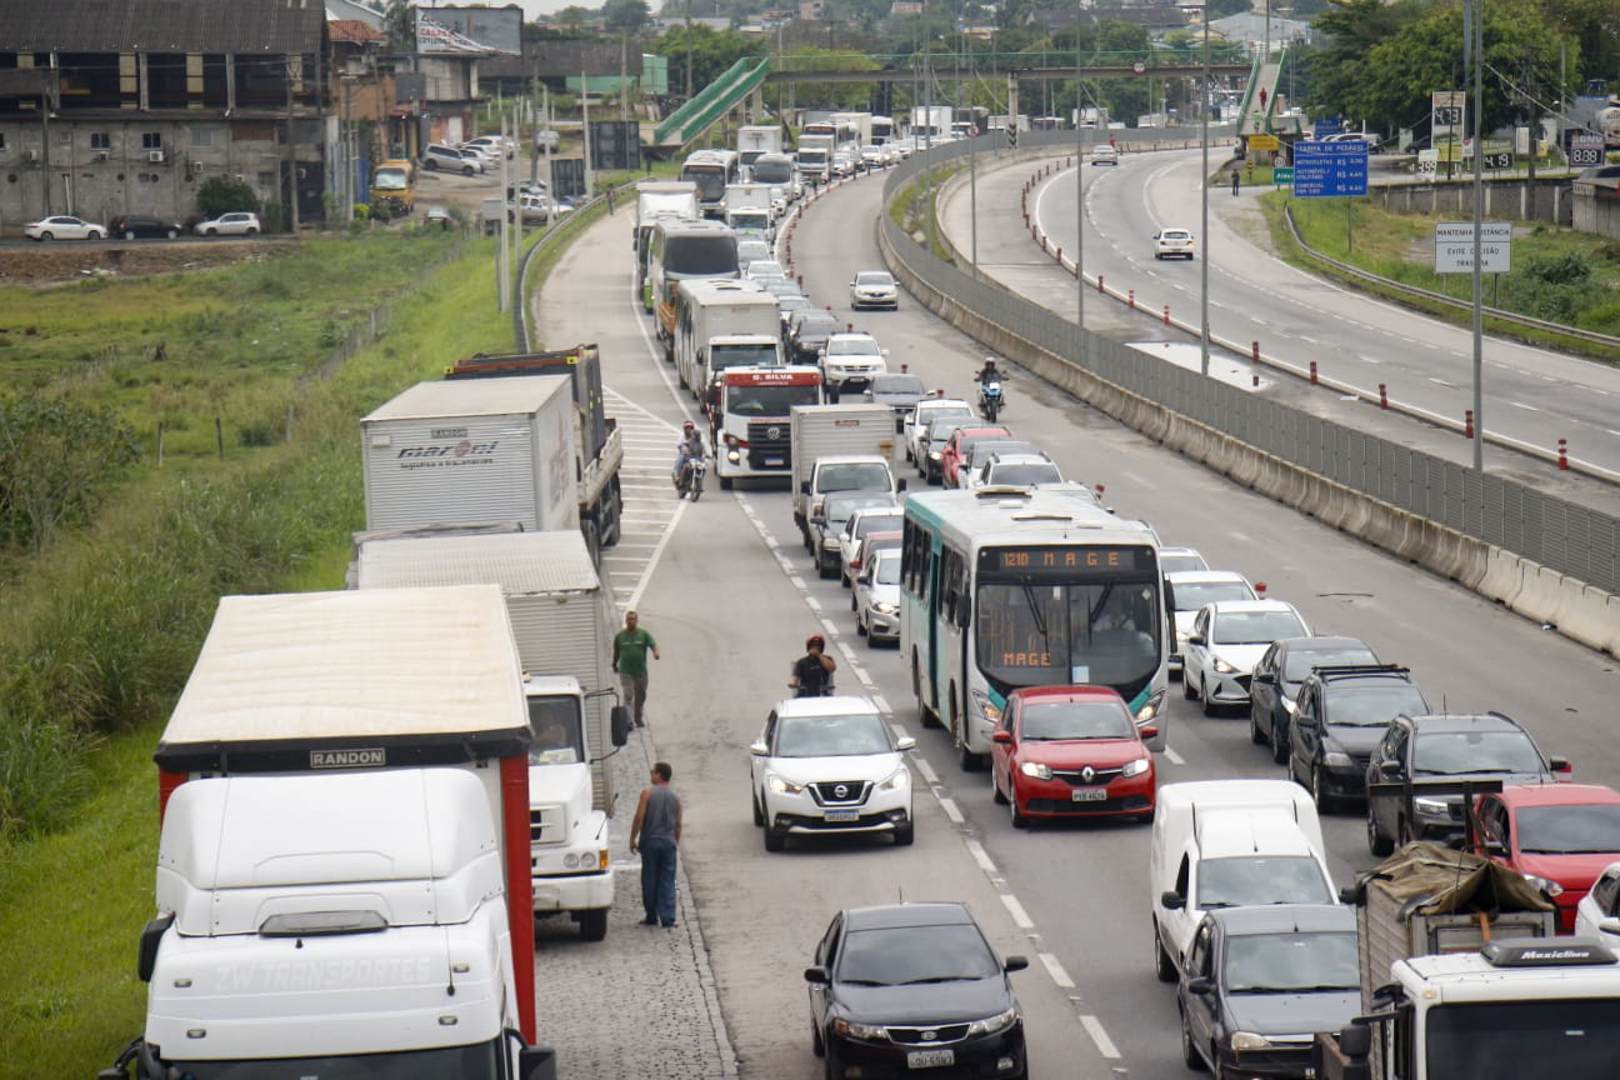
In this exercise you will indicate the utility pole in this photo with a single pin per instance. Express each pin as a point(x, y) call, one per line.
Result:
point(585, 127)
point(1203, 227)
point(1477, 45)
point(1079, 178)
point(292, 152)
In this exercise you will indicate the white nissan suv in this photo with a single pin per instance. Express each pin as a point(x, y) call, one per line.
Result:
point(850, 360)
point(830, 765)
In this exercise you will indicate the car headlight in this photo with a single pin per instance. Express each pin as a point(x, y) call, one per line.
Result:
point(992, 1024)
point(934, 455)
point(860, 1031)
point(883, 607)
point(1223, 668)
point(900, 778)
point(1137, 767)
point(1432, 808)
point(1244, 1041)
point(1038, 770)
point(1337, 759)
point(1287, 703)
point(1546, 885)
point(991, 711)
point(782, 786)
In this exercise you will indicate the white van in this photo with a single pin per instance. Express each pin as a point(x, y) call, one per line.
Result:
point(1229, 843)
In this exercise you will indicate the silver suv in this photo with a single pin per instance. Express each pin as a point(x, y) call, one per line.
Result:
point(448, 158)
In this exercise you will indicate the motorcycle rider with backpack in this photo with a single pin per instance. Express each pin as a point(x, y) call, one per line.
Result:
point(689, 450)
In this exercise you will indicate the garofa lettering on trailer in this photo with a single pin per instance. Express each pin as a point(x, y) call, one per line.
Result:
point(295, 975)
point(448, 455)
point(348, 759)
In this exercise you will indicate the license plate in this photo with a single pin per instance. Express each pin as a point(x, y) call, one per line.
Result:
point(1089, 794)
point(930, 1059)
point(843, 815)
point(774, 461)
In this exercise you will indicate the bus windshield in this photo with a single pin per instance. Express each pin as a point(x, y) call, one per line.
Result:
point(773, 170)
point(710, 181)
point(712, 255)
point(759, 352)
point(1104, 633)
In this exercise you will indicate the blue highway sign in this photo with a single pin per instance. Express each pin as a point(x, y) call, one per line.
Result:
point(1330, 169)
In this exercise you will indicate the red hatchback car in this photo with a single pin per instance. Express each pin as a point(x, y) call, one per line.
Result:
point(950, 459)
point(1071, 751)
point(1561, 836)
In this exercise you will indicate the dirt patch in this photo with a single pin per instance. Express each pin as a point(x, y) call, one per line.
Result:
point(44, 265)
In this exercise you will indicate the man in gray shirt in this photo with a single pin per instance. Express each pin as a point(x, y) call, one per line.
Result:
point(657, 831)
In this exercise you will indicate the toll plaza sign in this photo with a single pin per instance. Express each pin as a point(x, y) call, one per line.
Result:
point(1454, 247)
point(1330, 169)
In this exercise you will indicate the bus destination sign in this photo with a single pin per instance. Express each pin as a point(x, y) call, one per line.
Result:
point(1066, 562)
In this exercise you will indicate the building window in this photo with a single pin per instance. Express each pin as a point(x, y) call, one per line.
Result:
point(194, 73)
point(202, 138)
point(127, 80)
point(100, 140)
point(151, 140)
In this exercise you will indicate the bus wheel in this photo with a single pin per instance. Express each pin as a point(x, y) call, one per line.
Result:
point(925, 716)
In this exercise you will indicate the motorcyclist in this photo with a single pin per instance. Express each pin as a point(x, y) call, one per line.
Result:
point(989, 373)
point(813, 672)
point(689, 450)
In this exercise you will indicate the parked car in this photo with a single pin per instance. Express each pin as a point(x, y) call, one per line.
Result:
point(1446, 746)
point(1274, 687)
point(877, 598)
point(830, 765)
point(1340, 716)
point(141, 226)
point(1228, 637)
point(1261, 981)
point(1071, 751)
point(437, 157)
point(235, 223)
point(1190, 590)
point(494, 143)
point(1173, 244)
point(902, 989)
point(1559, 836)
point(64, 227)
point(874, 289)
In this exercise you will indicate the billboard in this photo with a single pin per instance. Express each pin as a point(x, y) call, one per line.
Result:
point(470, 30)
point(616, 144)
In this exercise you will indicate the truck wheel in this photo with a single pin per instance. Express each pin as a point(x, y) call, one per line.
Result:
point(593, 924)
point(725, 483)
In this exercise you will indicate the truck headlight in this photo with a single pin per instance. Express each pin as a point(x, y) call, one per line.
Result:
point(1432, 808)
point(1039, 770)
point(992, 1024)
point(1137, 767)
point(1243, 1041)
point(900, 778)
point(733, 456)
point(782, 785)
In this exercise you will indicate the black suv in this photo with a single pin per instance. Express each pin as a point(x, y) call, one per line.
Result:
point(1274, 687)
point(1340, 714)
point(1446, 746)
point(137, 226)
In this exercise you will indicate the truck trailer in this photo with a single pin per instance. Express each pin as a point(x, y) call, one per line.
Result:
point(818, 431)
point(754, 140)
point(722, 323)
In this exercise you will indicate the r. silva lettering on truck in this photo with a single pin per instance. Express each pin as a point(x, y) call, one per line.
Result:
point(449, 456)
point(295, 975)
point(347, 759)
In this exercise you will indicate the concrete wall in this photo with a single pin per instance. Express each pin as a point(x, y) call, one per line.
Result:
point(1518, 199)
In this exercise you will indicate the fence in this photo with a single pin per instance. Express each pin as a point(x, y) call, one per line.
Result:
point(1272, 446)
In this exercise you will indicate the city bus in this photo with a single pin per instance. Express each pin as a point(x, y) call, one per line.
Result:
point(712, 171)
point(1004, 587)
point(681, 248)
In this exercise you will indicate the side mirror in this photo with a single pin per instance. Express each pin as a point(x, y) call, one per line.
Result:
point(759, 749)
point(904, 743)
point(151, 936)
point(816, 975)
point(1001, 735)
point(1562, 767)
point(1269, 680)
point(1015, 963)
point(1171, 900)
point(1355, 1041)
point(804, 487)
point(537, 1063)
point(1148, 734)
point(1195, 639)
point(1201, 985)
point(619, 725)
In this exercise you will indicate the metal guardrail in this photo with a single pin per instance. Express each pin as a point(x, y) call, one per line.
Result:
point(1510, 317)
point(1557, 533)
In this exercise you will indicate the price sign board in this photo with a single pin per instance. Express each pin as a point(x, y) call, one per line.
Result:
point(1447, 112)
point(1428, 164)
point(1499, 159)
point(1585, 149)
point(1330, 169)
point(1454, 247)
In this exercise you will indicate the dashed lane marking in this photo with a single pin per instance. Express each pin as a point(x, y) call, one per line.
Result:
point(1054, 968)
point(1105, 1045)
point(1016, 910)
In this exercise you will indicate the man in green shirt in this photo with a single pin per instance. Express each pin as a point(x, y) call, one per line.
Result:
point(630, 647)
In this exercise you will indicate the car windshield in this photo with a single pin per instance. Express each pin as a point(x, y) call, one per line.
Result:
point(1174, 235)
point(888, 569)
point(840, 508)
point(940, 430)
point(901, 955)
point(1449, 753)
point(831, 736)
point(855, 476)
point(1589, 829)
point(874, 277)
point(1192, 595)
point(1175, 563)
point(1373, 706)
point(1299, 662)
point(898, 384)
point(1062, 720)
point(1025, 474)
point(1291, 963)
point(1245, 880)
point(852, 347)
point(817, 325)
point(877, 523)
point(1256, 627)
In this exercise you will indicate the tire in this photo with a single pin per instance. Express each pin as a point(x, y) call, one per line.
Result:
point(1187, 690)
point(1325, 803)
point(817, 1046)
point(990, 411)
point(129, 234)
point(94, 235)
point(1189, 1050)
point(430, 165)
point(211, 232)
point(467, 170)
point(925, 716)
point(1256, 736)
point(250, 231)
point(47, 236)
point(695, 486)
point(1163, 967)
point(759, 814)
point(1210, 708)
point(774, 841)
point(833, 1068)
point(906, 834)
point(1377, 842)
point(1020, 820)
point(853, 606)
point(860, 630)
point(173, 234)
point(593, 924)
point(996, 794)
point(823, 571)
point(1403, 832)
point(725, 483)
point(1279, 745)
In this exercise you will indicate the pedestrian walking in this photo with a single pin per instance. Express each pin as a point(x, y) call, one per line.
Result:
point(630, 647)
point(656, 831)
point(813, 672)
point(612, 199)
point(1235, 179)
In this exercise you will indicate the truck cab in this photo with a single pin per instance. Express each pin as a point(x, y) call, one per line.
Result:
point(752, 411)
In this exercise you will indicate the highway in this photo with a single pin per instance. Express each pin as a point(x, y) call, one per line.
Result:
point(731, 596)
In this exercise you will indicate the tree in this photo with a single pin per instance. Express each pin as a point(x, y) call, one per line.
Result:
point(399, 22)
point(573, 16)
point(712, 52)
point(218, 195)
point(1220, 9)
point(625, 16)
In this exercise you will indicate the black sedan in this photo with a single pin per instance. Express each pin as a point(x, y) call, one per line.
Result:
point(808, 334)
point(914, 989)
point(1275, 685)
point(140, 226)
point(1261, 981)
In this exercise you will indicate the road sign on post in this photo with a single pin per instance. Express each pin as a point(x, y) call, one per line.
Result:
point(1326, 126)
point(1454, 247)
point(1585, 149)
point(1282, 174)
point(1263, 142)
point(1330, 169)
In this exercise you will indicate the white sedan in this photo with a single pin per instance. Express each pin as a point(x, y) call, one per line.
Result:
point(64, 227)
point(877, 599)
point(1597, 916)
point(926, 412)
point(1104, 154)
point(830, 765)
point(1228, 638)
point(874, 289)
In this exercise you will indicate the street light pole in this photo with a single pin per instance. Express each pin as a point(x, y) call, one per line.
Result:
point(1203, 228)
point(1079, 180)
point(1478, 46)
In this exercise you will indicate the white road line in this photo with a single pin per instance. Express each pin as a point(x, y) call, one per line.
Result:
point(980, 856)
point(1522, 405)
point(927, 771)
point(1055, 969)
point(1172, 757)
point(860, 672)
point(798, 582)
point(652, 560)
point(949, 806)
point(814, 604)
point(883, 706)
point(1016, 910)
point(1105, 1045)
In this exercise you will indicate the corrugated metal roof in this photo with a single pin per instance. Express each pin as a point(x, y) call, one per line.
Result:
point(163, 26)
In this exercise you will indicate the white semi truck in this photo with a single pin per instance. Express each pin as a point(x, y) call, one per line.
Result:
point(563, 621)
point(658, 199)
point(813, 158)
point(754, 140)
point(749, 211)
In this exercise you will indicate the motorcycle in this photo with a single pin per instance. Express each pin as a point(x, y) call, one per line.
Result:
point(991, 401)
point(692, 479)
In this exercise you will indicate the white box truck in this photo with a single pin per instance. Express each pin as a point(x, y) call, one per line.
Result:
point(860, 436)
point(749, 210)
point(563, 621)
point(753, 415)
point(332, 924)
point(658, 199)
point(754, 140)
point(355, 683)
point(813, 158)
point(472, 452)
point(721, 323)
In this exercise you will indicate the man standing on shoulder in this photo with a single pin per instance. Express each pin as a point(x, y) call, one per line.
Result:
point(657, 832)
point(630, 647)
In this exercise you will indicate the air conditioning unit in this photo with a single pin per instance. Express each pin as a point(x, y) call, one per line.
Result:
point(196, 166)
point(103, 155)
point(155, 156)
point(30, 156)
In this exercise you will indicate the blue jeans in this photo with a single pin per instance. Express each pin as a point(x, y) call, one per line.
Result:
point(658, 879)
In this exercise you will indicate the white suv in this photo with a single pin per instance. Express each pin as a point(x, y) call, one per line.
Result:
point(849, 361)
point(830, 765)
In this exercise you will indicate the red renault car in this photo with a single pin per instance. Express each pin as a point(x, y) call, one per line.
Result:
point(1071, 751)
point(1560, 836)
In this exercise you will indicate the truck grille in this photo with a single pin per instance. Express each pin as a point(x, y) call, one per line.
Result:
point(763, 445)
point(548, 824)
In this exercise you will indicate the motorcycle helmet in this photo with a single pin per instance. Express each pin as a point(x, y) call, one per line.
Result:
point(813, 641)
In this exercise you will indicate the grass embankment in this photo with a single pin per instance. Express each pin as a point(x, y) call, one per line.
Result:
point(106, 622)
point(1557, 275)
point(912, 211)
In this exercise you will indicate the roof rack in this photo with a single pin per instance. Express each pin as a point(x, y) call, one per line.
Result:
point(1332, 671)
